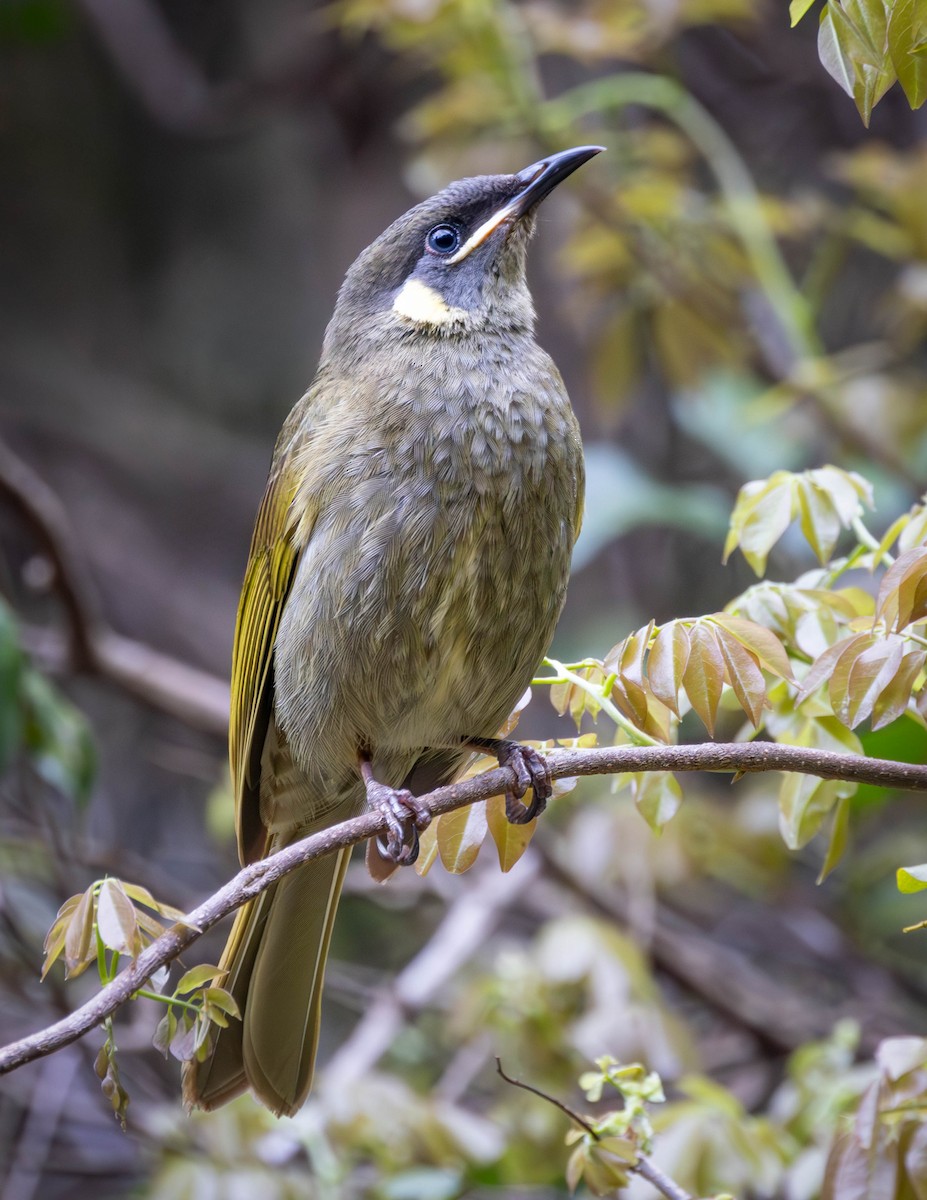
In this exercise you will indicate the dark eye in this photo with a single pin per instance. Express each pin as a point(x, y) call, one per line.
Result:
point(443, 239)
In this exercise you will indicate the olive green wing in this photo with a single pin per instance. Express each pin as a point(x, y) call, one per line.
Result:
point(268, 578)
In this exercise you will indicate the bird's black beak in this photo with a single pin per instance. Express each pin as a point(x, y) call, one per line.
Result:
point(537, 181)
point(542, 177)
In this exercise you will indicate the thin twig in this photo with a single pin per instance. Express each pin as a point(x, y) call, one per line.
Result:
point(574, 1116)
point(644, 1166)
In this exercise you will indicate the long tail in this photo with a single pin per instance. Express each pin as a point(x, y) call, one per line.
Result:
point(275, 959)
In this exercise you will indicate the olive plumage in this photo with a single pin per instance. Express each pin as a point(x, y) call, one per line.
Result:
point(409, 563)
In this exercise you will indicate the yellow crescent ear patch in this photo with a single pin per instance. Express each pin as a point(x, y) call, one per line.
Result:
point(422, 304)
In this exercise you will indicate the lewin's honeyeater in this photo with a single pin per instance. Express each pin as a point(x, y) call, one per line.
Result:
point(408, 565)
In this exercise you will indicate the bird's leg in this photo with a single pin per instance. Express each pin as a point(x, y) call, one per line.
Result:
point(531, 771)
point(405, 813)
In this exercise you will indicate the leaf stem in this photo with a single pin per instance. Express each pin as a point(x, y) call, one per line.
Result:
point(598, 693)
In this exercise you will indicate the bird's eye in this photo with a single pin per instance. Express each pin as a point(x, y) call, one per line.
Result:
point(443, 239)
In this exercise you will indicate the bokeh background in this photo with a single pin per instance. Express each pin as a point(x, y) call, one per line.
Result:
point(739, 285)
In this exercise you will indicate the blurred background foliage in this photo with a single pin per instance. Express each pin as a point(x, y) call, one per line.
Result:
point(738, 286)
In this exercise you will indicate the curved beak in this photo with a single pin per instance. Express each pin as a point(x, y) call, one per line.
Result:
point(537, 181)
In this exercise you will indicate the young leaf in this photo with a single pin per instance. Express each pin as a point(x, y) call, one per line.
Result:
point(912, 879)
point(870, 673)
point(117, 919)
point(79, 950)
point(743, 674)
point(819, 519)
point(797, 9)
point(196, 977)
point(704, 674)
point(760, 641)
point(460, 835)
point(666, 664)
point(657, 795)
point(511, 840)
point(896, 695)
point(901, 596)
point(837, 843)
point(804, 802)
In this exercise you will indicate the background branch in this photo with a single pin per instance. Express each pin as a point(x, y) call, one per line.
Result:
point(257, 877)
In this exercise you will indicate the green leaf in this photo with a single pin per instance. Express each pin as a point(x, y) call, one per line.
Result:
point(835, 58)
point(839, 834)
point(511, 840)
point(657, 795)
point(196, 977)
point(797, 9)
point(907, 29)
point(912, 879)
point(804, 802)
point(820, 522)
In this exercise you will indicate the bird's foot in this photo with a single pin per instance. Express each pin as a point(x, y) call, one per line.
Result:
point(406, 816)
point(531, 771)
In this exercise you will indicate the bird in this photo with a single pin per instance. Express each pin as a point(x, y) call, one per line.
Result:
point(409, 562)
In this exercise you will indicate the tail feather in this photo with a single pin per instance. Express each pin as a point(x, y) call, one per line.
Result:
point(275, 959)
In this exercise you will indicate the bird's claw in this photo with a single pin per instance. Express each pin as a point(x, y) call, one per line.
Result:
point(406, 815)
point(531, 771)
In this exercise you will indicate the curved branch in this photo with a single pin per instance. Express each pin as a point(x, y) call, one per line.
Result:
point(255, 878)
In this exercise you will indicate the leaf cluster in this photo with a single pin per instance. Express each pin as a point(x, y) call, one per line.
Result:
point(112, 921)
point(868, 45)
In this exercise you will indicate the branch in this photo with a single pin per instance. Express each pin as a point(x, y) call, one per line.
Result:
point(166, 683)
point(258, 876)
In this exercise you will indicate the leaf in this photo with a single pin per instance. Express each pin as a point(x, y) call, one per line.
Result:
point(797, 9)
point(820, 521)
point(912, 879)
point(704, 674)
point(666, 664)
point(870, 673)
point(902, 598)
point(511, 840)
point(427, 849)
point(804, 802)
point(907, 27)
point(822, 669)
point(895, 697)
point(164, 1034)
point(460, 835)
point(142, 895)
point(657, 795)
point(760, 641)
point(220, 998)
point(196, 977)
point(766, 522)
point(79, 950)
point(834, 58)
point(839, 834)
point(117, 919)
point(742, 672)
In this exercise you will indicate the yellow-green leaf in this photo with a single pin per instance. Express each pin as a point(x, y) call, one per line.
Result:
point(839, 833)
point(511, 840)
point(797, 9)
point(460, 835)
point(895, 697)
point(912, 879)
point(657, 795)
point(197, 976)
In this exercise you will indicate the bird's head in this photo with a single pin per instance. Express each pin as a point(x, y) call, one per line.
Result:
point(454, 263)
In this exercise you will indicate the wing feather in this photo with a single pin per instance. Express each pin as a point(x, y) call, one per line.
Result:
point(268, 578)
